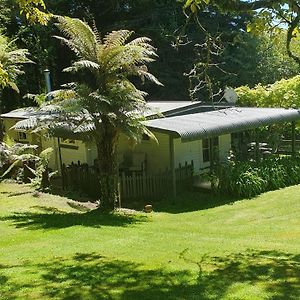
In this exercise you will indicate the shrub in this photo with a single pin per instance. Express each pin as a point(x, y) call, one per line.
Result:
point(248, 179)
point(283, 93)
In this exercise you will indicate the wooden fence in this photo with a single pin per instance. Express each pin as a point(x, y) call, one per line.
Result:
point(135, 186)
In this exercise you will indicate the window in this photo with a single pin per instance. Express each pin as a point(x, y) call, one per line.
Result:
point(210, 148)
point(67, 141)
point(22, 136)
point(206, 150)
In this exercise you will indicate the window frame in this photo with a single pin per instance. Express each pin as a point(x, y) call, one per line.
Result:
point(210, 149)
point(24, 138)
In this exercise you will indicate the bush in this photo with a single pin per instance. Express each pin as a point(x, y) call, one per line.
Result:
point(283, 93)
point(248, 179)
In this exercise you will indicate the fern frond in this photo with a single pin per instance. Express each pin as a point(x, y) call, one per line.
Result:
point(117, 38)
point(70, 44)
point(149, 76)
point(97, 33)
point(11, 167)
point(72, 29)
point(142, 42)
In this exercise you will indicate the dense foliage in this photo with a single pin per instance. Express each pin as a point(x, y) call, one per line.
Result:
point(283, 93)
point(269, 15)
point(246, 59)
point(11, 63)
point(22, 163)
point(250, 178)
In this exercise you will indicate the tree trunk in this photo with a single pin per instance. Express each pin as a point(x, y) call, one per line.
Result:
point(107, 163)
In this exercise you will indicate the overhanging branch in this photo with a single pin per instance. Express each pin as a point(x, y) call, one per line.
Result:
point(293, 25)
point(231, 5)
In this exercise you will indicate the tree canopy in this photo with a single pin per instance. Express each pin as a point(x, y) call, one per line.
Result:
point(269, 14)
point(245, 57)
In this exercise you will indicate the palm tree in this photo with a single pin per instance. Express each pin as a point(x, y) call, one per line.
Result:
point(105, 101)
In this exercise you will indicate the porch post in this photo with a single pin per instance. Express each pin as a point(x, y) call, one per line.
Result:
point(256, 145)
point(293, 138)
point(60, 168)
point(211, 153)
point(172, 164)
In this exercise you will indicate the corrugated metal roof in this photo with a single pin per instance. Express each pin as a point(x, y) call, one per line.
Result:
point(213, 123)
point(190, 126)
point(168, 105)
point(176, 108)
point(155, 108)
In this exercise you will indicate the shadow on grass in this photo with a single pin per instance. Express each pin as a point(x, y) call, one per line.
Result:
point(52, 218)
point(259, 275)
point(71, 194)
point(193, 201)
point(16, 194)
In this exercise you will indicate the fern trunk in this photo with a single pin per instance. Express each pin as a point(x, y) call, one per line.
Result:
point(108, 168)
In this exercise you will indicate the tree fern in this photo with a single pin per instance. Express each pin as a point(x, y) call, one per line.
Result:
point(105, 102)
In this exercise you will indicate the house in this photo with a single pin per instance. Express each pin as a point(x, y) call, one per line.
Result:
point(189, 131)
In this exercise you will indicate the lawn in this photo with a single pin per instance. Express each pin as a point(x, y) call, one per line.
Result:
point(203, 247)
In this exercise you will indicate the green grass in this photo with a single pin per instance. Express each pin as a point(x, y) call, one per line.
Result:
point(204, 247)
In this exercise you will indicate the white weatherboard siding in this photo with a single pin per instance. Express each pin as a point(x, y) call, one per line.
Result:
point(14, 135)
point(34, 139)
point(91, 153)
point(224, 146)
point(187, 152)
point(73, 155)
point(157, 155)
point(193, 151)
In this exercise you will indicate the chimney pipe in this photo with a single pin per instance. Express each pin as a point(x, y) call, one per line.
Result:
point(48, 82)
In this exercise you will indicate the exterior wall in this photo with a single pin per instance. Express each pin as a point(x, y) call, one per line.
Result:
point(157, 155)
point(188, 151)
point(74, 154)
point(14, 135)
point(224, 146)
point(68, 155)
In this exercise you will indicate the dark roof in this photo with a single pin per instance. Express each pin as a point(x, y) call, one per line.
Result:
point(223, 121)
point(156, 107)
point(176, 108)
point(167, 108)
point(188, 126)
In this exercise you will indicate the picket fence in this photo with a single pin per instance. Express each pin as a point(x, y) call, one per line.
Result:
point(134, 186)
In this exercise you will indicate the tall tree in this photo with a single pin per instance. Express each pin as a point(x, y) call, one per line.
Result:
point(105, 101)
